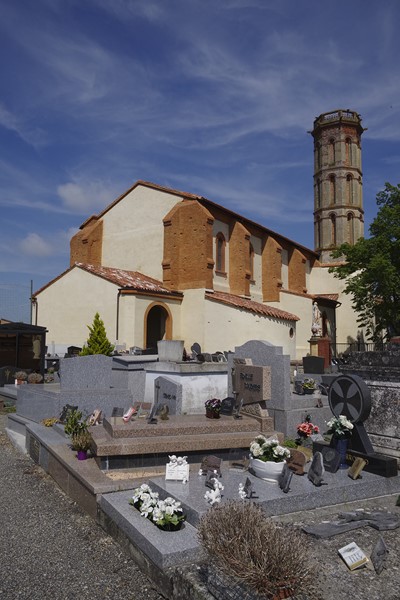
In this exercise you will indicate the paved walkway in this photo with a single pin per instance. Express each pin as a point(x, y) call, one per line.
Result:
point(49, 548)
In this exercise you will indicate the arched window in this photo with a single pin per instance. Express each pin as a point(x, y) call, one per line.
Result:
point(220, 244)
point(318, 232)
point(332, 217)
point(348, 150)
point(349, 189)
point(332, 189)
point(331, 151)
point(350, 228)
point(318, 193)
point(251, 261)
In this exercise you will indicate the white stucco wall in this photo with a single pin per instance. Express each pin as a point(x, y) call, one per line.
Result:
point(68, 306)
point(300, 306)
point(133, 231)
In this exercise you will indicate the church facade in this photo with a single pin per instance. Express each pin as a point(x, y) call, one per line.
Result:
point(159, 263)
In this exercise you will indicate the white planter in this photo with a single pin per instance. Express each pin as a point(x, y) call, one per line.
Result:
point(269, 471)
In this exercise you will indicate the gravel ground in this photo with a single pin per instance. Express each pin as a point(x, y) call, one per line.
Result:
point(49, 548)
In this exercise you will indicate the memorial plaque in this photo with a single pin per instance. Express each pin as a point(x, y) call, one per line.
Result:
point(252, 384)
point(353, 556)
point(177, 470)
point(227, 406)
point(356, 468)
point(379, 555)
point(296, 461)
point(316, 470)
point(211, 476)
point(285, 478)
point(34, 449)
point(117, 412)
point(331, 458)
point(248, 489)
point(211, 463)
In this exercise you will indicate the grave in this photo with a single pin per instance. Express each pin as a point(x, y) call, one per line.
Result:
point(85, 381)
point(350, 396)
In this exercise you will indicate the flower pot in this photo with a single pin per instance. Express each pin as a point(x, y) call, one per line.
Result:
point(269, 471)
point(171, 526)
point(308, 390)
point(82, 454)
point(341, 446)
point(211, 414)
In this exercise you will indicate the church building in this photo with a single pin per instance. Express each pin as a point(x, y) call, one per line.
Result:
point(158, 263)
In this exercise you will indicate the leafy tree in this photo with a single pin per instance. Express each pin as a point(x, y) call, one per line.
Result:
point(371, 269)
point(97, 342)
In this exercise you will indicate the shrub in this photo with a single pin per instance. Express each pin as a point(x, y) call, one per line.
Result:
point(81, 441)
point(97, 342)
point(264, 556)
point(35, 378)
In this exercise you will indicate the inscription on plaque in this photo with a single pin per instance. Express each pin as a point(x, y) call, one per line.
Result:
point(252, 383)
point(34, 449)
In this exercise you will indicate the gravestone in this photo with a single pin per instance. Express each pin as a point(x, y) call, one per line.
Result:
point(227, 406)
point(211, 463)
point(350, 396)
point(316, 470)
point(252, 389)
point(285, 478)
point(355, 470)
point(170, 394)
point(296, 461)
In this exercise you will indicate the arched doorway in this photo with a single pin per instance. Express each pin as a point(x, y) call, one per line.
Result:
point(158, 325)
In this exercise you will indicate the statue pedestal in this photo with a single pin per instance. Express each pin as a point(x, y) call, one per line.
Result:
point(313, 341)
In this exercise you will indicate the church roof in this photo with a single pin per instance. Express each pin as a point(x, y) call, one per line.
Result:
point(250, 305)
point(126, 280)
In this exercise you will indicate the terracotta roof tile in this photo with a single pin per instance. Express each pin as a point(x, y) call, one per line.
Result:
point(333, 297)
point(251, 306)
point(128, 279)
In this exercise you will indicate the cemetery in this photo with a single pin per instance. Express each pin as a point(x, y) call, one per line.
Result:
point(149, 428)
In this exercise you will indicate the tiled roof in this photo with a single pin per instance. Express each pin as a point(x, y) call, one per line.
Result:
point(251, 306)
point(333, 297)
point(128, 279)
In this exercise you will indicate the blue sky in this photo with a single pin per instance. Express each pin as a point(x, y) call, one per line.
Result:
point(214, 97)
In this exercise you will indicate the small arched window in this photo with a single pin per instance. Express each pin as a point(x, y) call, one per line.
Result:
point(350, 228)
point(220, 244)
point(348, 151)
point(331, 151)
point(349, 189)
point(333, 228)
point(332, 189)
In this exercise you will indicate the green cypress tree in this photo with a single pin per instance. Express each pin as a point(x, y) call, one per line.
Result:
point(97, 342)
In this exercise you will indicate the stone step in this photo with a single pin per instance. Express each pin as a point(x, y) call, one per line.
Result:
point(178, 425)
point(167, 444)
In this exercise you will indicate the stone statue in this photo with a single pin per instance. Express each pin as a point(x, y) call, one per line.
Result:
point(316, 327)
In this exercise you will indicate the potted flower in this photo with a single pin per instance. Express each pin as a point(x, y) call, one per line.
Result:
point(81, 443)
point(305, 430)
point(165, 514)
point(213, 408)
point(20, 377)
point(341, 429)
point(35, 378)
point(267, 458)
point(309, 385)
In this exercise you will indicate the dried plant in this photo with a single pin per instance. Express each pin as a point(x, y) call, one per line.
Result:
point(244, 544)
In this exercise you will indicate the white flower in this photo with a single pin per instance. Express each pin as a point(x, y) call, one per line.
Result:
point(242, 493)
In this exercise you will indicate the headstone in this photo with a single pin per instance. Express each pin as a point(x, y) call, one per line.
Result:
point(316, 470)
point(313, 364)
point(170, 350)
point(170, 393)
point(331, 458)
point(86, 372)
point(350, 396)
point(379, 554)
point(285, 478)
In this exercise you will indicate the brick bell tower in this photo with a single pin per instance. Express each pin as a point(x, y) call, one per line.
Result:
point(338, 204)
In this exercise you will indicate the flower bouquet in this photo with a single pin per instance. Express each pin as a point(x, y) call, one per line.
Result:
point(213, 408)
point(305, 430)
point(309, 385)
point(268, 450)
point(340, 427)
point(165, 514)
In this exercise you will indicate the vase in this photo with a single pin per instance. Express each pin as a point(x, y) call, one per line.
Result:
point(82, 455)
point(341, 446)
point(211, 414)
point(268, 471)
point(171, 526)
